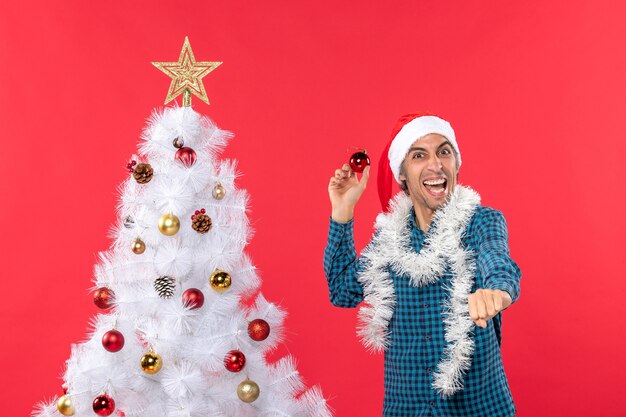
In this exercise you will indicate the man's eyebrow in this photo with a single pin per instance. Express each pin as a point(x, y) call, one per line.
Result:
point(417, 148)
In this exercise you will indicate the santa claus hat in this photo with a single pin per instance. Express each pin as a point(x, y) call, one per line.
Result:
point(409, 128)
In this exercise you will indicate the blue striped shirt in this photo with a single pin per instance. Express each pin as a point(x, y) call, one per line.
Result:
point(417, 330)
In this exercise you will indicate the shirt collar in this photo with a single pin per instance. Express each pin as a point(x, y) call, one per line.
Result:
point(413, 226)
point(415, 230)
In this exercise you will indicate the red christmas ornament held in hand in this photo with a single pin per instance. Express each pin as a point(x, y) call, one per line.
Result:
point(103, 298)
point(235, 361)
point(113, 341)
point(186, 156)
point(193, 298)
point(258, 330)
point(103, 405)
point(359, 160)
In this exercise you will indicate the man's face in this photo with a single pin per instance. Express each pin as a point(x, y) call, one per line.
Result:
point(430, 171)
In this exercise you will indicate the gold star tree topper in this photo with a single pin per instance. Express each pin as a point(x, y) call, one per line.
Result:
point(186, 75)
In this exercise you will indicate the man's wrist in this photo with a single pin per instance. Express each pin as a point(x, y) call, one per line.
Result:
point(342, 216)
point(503, 286)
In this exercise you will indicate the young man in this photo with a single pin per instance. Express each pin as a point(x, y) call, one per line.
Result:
point(434, 279)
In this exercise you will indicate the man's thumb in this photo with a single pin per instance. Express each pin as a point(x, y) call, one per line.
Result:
point(365, 176)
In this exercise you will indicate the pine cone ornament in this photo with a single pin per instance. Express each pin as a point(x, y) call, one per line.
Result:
point(201, 223)
point(165, 286)
point(143, 173)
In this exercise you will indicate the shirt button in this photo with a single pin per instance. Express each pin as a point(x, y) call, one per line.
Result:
point(426, 305)
point(429, 369)
point(427, 337)
point(432, 403)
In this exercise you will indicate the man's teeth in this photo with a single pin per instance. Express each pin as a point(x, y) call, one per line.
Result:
point(438, 186)
point(435, 182)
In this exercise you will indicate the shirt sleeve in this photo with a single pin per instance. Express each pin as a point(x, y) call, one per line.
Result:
point(494, 263)
point(341, 265)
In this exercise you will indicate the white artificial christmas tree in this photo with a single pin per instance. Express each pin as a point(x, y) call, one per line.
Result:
point(175, 339)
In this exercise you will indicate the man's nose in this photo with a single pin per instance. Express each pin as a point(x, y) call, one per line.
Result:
point(434, 163)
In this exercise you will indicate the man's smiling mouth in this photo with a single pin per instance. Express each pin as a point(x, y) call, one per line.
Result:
point(436, 186)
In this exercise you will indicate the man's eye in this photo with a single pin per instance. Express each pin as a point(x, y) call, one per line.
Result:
point(445, 151)
point(418, 155)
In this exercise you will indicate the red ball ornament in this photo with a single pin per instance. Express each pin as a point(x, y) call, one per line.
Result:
point(103, 298)
point(186, 156)
point(258, 330)
point(358, 161)
point(113, 341)
point(193, 298)
point(234, 361)
point(103, 405)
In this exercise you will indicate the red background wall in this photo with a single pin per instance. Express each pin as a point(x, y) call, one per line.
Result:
point(535, 90)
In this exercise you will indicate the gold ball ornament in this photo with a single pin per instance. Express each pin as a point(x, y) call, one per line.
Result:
point(220, 280)
point(151, 363)
point(219, 191)
point(64, 405)
point(169, 224)
point(248, 391)
point(139, 246)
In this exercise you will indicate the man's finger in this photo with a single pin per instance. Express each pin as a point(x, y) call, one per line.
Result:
point(497, 302)
point(472, 307)
point(365, 177)
point(506, 299)
point(482, 323)
point(480, 305)
point(341, 174)
point(346, 167)
point(490, 299)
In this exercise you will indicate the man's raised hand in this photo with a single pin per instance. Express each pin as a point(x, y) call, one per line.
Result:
point(345, 189)
point(484, 304)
